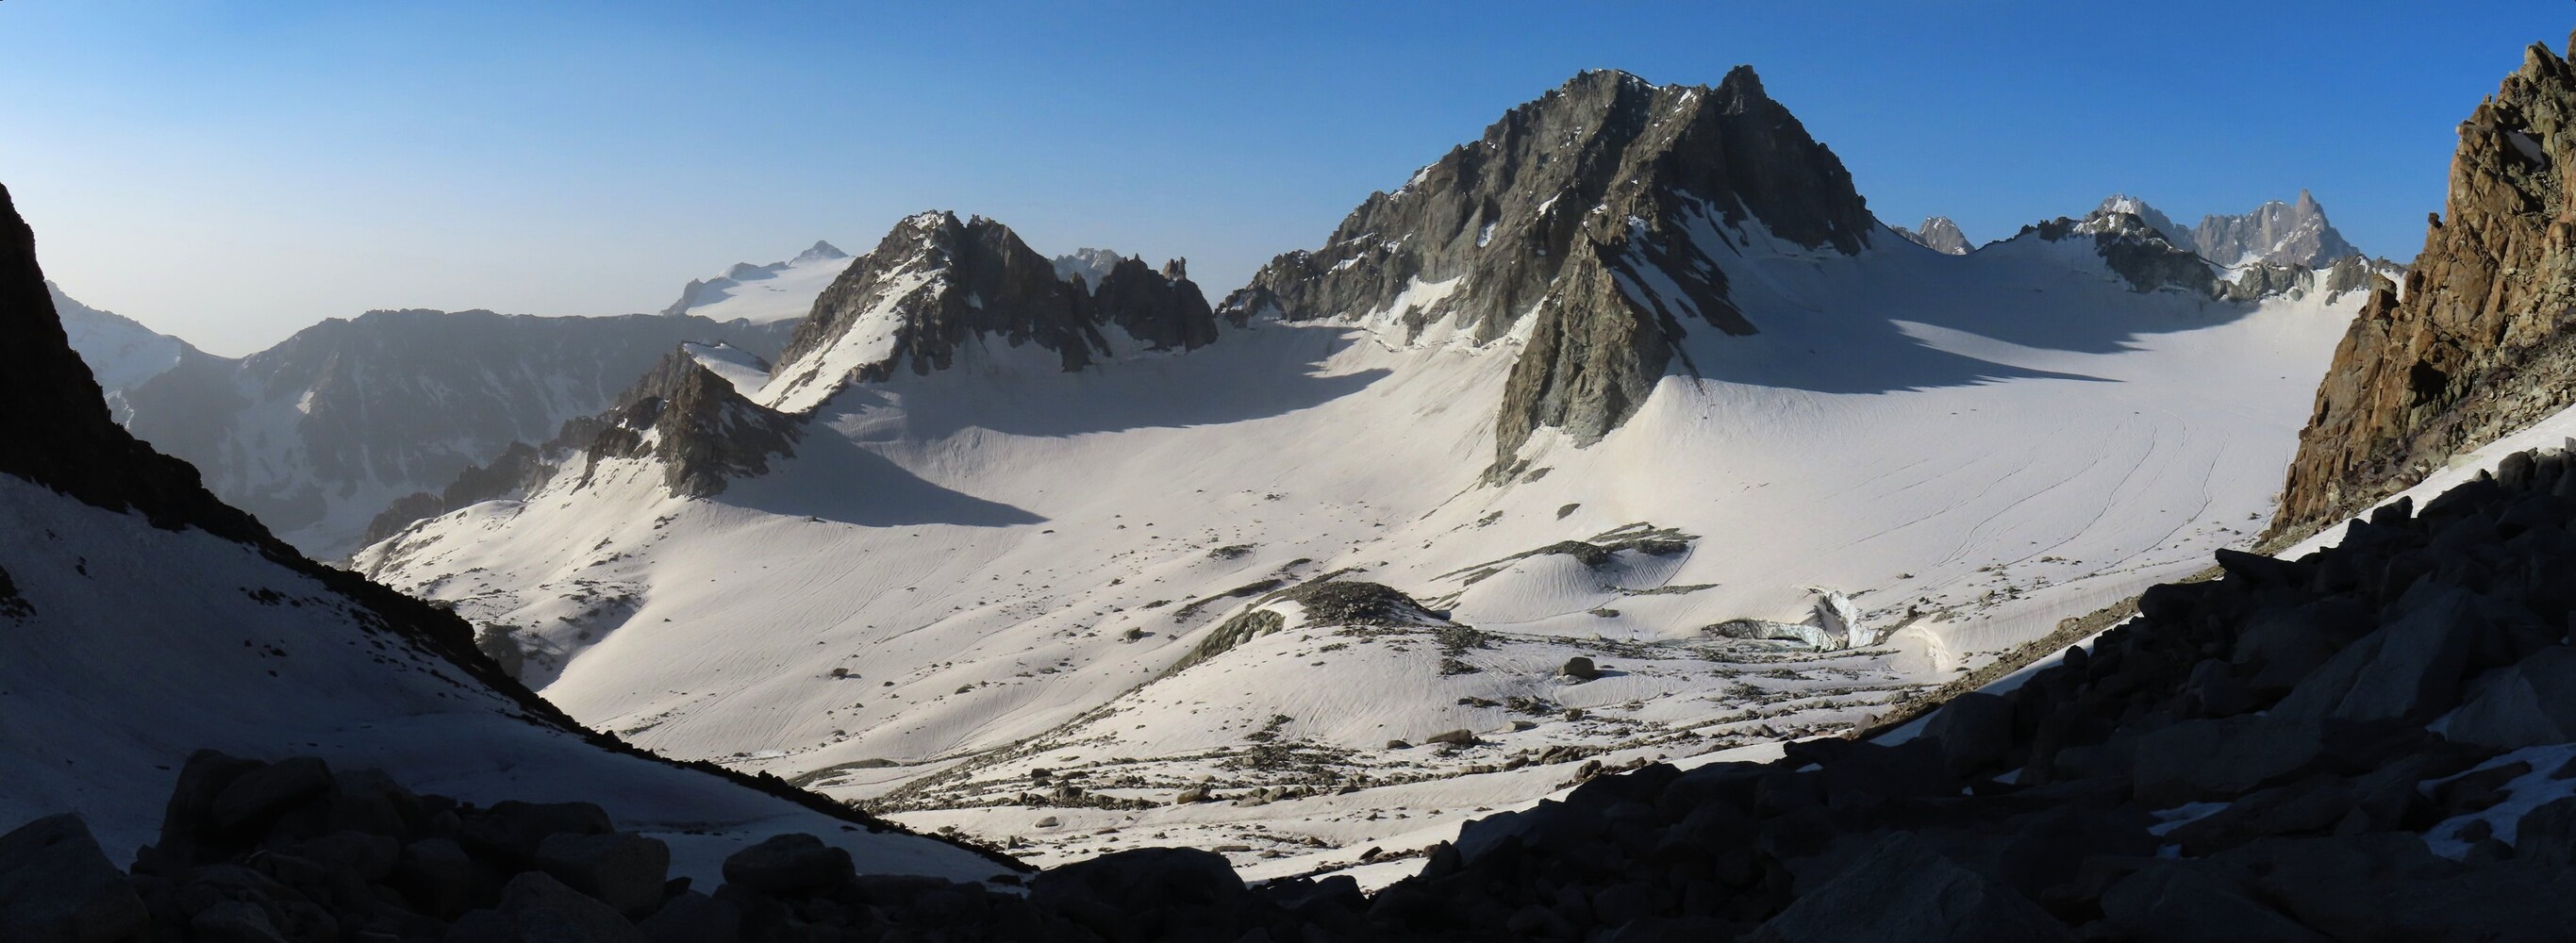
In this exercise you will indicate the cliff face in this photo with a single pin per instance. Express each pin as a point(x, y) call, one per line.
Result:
point(2480, 343)
point(1596, 214)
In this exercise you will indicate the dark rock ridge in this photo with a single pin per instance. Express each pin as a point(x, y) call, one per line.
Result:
point(2479, 344)
point(2136, 250)
point(395, 402)
point(700, 430)
point(936, 283)
point(57, 434)
point(1938, 234)
point(707, 291)
point(1598, 210)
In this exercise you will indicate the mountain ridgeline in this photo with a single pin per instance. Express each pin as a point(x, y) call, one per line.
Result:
point(2479, 344)
point(1595, 214)
point(937, 282)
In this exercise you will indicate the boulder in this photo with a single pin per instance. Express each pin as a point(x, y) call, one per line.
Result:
point(514, 829)
point(56, 886)
point(1579, 668)
point(1975, 732)
point(2221, 758)
point(2176, 902)
point(693, 917)
point(2530, 703)
point(1149, 894)
point(1459, 737)
point(786, 865)
point(2409, 669)
point(1902, 891)
point(544, 909)
point(624, 870)
point(2546, 836)
point(261, 794)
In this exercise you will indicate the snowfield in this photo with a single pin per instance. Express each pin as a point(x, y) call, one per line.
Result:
point(103, 693)
point(962, 600)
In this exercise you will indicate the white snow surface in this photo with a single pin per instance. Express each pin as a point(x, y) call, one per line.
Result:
point(1002, 559)
point(780, 291)
point(105, 691)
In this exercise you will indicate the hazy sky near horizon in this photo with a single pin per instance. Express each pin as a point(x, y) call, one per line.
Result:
point(233, 170)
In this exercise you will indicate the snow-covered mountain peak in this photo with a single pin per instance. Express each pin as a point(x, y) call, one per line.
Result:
point(820, 251)
point(764, 293)
point(937, 282)
point(1595, 222)
point(1939, 234)
point(1089, 263)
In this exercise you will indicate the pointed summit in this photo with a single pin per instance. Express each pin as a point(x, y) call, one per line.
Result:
point(1559, 213)
point(820, 251)
point(936, 282)
point(1938, 234)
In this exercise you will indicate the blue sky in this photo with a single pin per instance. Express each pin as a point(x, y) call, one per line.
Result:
point(232, 171)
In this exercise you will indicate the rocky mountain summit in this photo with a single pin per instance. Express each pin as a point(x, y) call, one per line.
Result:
point(2274, 233)
point(2478, 345)
point(699, 428)
point(1938, 234)
point(2144, 247)
point(1092, 264)
point(1590, 222)
point(2281, 233)
point(936, 283)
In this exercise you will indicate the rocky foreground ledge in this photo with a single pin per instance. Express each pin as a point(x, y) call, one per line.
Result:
point(2374, 742)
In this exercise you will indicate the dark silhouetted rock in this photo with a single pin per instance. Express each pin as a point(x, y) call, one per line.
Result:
point(623, 870)
point(56, 886)
point(789, 864)
point(1902, 891)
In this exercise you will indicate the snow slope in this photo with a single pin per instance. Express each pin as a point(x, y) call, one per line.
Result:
point(120, 351)
point(142, 620)
point(104, 690)
point(963, 579)
point(778, 291)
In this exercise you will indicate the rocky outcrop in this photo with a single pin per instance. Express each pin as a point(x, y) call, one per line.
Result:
point(1163, 309)
point(1598, 214)
point(2480, 343)
point(2134, 249)
point(693, 422)
point(1938, 234)
point(937, 283)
